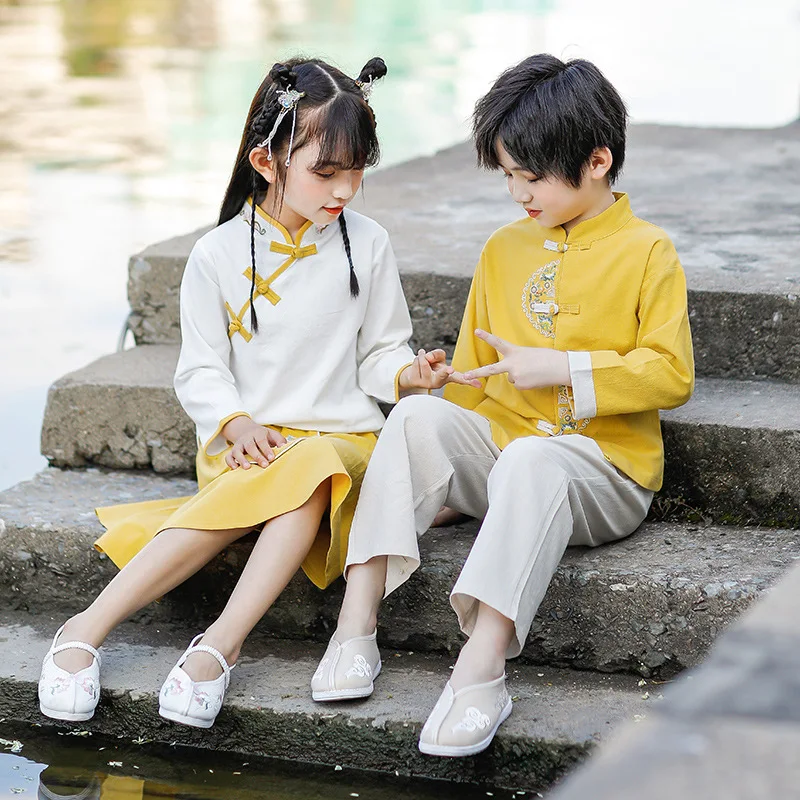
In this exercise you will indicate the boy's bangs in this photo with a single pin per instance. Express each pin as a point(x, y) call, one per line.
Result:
point(345, 132)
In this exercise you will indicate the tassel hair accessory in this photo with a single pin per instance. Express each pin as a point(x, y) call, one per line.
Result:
point(288, 98)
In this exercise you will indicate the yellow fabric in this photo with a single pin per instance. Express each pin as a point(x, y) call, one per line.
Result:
point(292, 248)
point(121, 787)
point(620, 292)
point(243, 498)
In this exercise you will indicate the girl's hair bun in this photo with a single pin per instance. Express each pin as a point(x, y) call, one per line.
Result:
point(374, 69)
point(283, 75)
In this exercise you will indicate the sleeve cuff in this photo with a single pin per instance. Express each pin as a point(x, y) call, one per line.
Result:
point(407, 391)
point(584, 398)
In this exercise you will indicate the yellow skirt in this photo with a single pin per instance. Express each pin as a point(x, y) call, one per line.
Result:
point(243, 498)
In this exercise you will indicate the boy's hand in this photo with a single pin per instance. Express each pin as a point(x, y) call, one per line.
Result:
point(251, 442)
point(526, 367)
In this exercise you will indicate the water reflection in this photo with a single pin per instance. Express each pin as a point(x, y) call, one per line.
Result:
point(77, 765)
point(119, 121)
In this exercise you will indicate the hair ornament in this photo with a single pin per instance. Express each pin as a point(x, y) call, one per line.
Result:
point(372, 71)
point(288, 99)
point(366, 87)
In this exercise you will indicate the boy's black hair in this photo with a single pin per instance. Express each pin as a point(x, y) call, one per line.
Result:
point(550, 115)
point(333, 111)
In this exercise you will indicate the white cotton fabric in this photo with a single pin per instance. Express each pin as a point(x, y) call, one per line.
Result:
point(536, 497)
point(321, 360)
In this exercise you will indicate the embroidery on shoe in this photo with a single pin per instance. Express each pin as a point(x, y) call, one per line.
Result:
point(320, 669)
point(540, 290)
point(173, 687)
point(206, 701)
point(89, 686)
point(60, 685)
point(360, 668)
point(473, 719)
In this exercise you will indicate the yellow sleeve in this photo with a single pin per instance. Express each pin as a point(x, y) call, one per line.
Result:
point(659, 371)
point(472, 352)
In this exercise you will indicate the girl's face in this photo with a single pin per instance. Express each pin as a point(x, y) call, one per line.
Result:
point(553, 202)
point(319, 195)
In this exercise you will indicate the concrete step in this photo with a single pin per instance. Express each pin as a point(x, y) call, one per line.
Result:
point(558, 715)
point(651, 604)
point(732, 450)
point(744, 278)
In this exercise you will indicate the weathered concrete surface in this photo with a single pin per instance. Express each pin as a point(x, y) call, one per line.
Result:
point(730, 729)
point(652, 604)
point(120, 411)
point(154, 277)
point(558, 715)
point(732, 451)
point(740, 258)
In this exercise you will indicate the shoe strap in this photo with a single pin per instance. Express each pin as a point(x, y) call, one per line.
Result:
point(76, 646)
point(212, 651)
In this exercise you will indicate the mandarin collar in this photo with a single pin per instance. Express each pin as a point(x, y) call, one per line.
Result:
point(309, 233)
point(604, 224)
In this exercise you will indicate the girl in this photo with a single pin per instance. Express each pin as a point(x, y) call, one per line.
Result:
point(294, 326)
point(562, 444)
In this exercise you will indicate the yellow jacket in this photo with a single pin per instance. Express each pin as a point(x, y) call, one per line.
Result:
point(612, 293)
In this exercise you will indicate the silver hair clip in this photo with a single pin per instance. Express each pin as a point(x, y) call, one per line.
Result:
point(366, 87)
point(287, 100)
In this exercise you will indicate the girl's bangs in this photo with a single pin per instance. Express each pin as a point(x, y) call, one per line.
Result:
point(345, 132)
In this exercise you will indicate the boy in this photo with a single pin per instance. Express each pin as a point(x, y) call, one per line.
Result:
point(575, 333)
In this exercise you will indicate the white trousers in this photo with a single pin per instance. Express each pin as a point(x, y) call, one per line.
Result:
point(536, 497)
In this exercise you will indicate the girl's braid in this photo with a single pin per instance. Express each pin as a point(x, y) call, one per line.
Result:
point(261, 125)
point(354, 289)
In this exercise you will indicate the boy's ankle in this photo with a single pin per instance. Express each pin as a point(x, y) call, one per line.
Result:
point(353, 628)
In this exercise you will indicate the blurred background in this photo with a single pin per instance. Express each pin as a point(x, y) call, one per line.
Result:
point(120, 119)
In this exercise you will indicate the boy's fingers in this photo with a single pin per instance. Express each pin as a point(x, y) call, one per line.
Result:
point(458, 377)
point(501, 345)
point(497, 368)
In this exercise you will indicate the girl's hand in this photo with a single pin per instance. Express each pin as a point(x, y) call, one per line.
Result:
point(427, 371)
point(525, 367)
point(430, 371)
point(253, 443)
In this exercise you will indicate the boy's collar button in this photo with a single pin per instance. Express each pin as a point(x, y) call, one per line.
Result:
point(557, 247)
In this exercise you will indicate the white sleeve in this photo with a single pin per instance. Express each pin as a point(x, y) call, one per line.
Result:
point(204, 382)
point(580, 370)
point(382, 350)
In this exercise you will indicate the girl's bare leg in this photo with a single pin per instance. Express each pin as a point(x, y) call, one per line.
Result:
point(483, 656)
point(282, 546)
point(164, 563)
point(365, 586)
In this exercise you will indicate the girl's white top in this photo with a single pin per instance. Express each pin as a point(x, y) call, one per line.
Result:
point(321, 359)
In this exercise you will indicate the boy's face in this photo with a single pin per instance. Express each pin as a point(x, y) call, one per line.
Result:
point(553, 202)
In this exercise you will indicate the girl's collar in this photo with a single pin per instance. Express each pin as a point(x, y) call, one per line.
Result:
point(277, 225)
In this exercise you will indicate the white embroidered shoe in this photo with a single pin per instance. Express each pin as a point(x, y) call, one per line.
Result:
point(189, 702)
point(463, 723)
point(347, 670)
point(67, 695)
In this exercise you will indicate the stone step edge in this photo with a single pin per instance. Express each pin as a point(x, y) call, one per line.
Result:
point(730, 451)
point(650, 604)
point(436, 302)
point(557, 719)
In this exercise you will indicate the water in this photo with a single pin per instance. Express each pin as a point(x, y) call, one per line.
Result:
point(119, 122)
point(51, 765)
